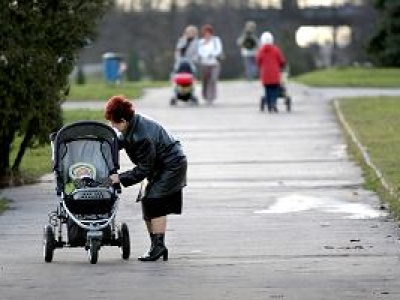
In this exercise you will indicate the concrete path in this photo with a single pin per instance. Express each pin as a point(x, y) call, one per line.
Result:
point(274, 209)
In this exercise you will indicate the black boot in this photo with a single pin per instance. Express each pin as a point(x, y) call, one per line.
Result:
point(157, 249)
point(146, 254)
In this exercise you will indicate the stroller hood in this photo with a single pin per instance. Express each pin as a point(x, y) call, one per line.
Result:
point(88, 144)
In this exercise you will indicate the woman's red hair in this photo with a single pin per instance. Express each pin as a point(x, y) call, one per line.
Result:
point(207, 28)
point(119, 108)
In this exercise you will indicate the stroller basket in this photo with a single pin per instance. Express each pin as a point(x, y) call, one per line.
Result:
point(90, 201)
point(91, 194)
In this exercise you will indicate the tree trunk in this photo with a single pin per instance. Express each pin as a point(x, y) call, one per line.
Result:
point(25, 144)
point(5, 150)
point(6, 139)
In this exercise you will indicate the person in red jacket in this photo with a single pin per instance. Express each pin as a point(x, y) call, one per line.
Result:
point(270, 61)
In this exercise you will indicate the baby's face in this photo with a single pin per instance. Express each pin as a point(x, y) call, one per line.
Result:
point(82, 172)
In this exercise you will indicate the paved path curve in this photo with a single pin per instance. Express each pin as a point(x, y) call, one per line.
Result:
point(274, 210)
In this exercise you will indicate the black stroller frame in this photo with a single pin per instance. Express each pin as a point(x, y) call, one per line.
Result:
point(283, 91)
point(88, 204)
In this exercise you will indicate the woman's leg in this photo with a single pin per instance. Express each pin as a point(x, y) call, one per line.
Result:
point(212, 83)
point(254, 68)
point(264, 99)
point(274, 97)
point(159, 225)
point(250, 67)
point(268, 97)
point(151, 235)
point(155, 212)
point(148, 226)
point(157, 249)
point(205, 74)
point(247, 67)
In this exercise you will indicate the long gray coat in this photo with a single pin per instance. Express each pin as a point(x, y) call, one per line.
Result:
point(157, 155)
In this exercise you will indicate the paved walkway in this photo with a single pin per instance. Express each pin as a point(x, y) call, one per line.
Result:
point(274, 209)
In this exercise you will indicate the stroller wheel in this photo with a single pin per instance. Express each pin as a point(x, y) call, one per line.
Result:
point(49, 243)
point(93, 251)
point(288, 102)
point(194, 100)
point(172, 102)
point(125, 243)
point(262, 104)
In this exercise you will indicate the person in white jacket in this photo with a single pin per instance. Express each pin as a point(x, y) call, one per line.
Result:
point(210, 54)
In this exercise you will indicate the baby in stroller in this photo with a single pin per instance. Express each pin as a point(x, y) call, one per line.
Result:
point(85, 154)
point(183, 80)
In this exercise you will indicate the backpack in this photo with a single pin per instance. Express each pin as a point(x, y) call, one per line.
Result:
point(249, 42)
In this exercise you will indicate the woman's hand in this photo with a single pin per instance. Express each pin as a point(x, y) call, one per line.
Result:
point(114, 178)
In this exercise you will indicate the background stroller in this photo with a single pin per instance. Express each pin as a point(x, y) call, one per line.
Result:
point(283, 92)
point(183, 81)
point(84, 155)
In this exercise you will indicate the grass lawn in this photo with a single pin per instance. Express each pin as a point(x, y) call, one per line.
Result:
point(352, 77)
point(99, 90)
point(376, 123)
point(3, 205)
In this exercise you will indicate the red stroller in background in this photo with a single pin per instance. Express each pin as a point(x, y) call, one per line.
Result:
point(183, 81)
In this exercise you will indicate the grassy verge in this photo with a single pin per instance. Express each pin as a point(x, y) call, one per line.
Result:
point(376, 123)
point(3, 205)
point(37, 161)
point(352, 77)
point(98, 90)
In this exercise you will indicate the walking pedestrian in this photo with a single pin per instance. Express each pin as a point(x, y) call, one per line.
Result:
point(210, 56)
point(270, 61)
point(186, 49)
point(248, 44)
point(158, 158)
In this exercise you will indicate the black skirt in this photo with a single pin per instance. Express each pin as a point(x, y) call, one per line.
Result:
point(158, 207)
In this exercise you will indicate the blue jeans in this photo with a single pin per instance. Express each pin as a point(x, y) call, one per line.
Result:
point(250, 67)
point(271, 96)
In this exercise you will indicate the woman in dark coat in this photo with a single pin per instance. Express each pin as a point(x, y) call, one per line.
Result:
point(158, 157)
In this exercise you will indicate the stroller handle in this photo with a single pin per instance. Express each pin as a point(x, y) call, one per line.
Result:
point(52, 136)
point(117, 187)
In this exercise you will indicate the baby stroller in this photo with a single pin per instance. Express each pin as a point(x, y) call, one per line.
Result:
point(84, 155)
point(183, 81)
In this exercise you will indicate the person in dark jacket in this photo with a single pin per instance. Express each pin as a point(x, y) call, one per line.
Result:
point(270, 61)
point(158, 158)
point(248, 44)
